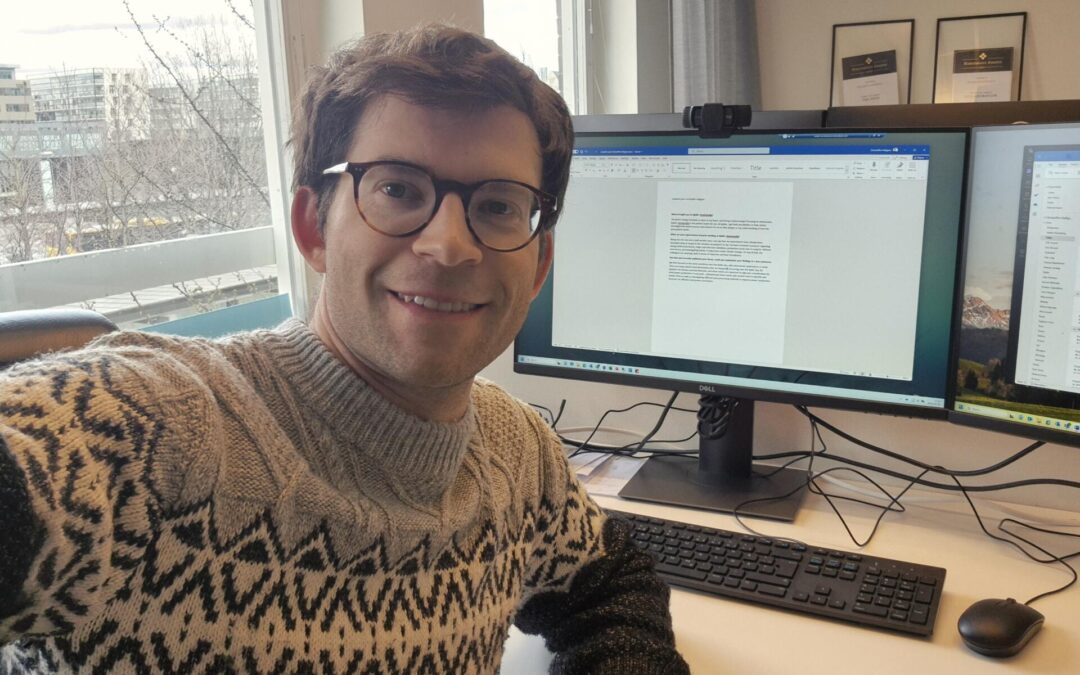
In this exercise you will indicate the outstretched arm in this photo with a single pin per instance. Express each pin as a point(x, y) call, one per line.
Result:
point(613, 617)
point(592, 594)
point(80, 483)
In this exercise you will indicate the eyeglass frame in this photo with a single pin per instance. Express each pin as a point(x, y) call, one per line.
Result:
point(549, 204)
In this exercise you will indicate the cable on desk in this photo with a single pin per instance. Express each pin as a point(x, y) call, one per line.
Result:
point(894, 504)
point(553, 418)
point(587, 446)
point(964, 490)
point(1051, 558)
point(888, 453)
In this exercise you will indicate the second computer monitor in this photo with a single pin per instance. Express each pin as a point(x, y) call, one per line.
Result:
point(1018, 362)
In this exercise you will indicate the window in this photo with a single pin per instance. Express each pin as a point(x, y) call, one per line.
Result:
point(154, 220)
point(529, 29)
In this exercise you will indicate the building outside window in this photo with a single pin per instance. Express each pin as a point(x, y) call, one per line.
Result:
point(138, 187)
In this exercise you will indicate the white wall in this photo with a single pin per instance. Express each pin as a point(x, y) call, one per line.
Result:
point(795, 43)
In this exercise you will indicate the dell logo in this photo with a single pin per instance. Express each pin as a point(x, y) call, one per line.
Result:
point(707, 388)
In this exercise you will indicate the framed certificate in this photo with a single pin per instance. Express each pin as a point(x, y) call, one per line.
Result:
point(871, 63)
point(979, 58)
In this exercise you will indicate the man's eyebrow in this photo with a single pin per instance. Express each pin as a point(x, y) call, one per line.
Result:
point(435, 174)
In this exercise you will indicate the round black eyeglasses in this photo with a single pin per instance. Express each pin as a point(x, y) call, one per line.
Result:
point(399, 199)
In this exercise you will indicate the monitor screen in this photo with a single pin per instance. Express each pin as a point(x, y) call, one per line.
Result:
point(1018, 352)
point(796, 266)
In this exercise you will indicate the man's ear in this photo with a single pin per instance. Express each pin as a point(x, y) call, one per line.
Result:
point(305, 228)
point(547, 251)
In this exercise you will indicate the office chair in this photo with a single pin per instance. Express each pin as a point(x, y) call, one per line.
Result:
point(27, 333)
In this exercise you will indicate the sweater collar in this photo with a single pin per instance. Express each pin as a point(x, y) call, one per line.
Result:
point(426, 455)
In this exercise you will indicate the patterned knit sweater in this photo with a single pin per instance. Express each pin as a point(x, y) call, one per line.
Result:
point(250, 505)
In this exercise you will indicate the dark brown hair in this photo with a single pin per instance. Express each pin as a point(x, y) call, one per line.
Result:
point(434, 65)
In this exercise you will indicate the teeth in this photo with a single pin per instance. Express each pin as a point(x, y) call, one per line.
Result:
point(428, 303)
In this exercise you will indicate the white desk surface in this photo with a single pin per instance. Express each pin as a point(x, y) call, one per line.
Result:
point(717, 635)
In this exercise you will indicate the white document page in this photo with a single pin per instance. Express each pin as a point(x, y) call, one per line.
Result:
point(872, 90)
point(722, 252)
point(982, 87)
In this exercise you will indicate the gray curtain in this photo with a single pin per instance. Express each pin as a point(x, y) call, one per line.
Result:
point(714, 53)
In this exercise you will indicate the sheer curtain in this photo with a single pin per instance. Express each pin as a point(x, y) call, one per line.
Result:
point(714, 53)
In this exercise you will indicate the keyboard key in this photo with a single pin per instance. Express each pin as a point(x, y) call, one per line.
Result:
point(769, 589)
point(772, 581)
point(872, 610)
point(924, 594)
point(679, 571)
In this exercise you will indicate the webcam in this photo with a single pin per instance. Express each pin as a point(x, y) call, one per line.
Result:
point(715, 120)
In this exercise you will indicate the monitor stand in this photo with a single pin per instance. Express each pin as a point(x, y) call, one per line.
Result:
point(724, 476)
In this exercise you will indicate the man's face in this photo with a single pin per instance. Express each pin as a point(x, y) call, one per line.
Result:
point(430, 310)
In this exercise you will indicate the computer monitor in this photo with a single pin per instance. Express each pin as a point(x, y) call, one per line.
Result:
point(1018, 352)
point(792, 266)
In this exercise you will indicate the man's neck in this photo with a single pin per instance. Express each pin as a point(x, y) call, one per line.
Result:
point(436, 404)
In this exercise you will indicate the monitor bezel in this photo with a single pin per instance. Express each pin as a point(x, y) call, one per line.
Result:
point(765, 394)
point(966, 419)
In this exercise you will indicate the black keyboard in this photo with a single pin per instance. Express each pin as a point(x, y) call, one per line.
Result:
point(863, 589)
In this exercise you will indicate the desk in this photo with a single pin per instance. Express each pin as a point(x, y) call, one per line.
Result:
point(717, 635)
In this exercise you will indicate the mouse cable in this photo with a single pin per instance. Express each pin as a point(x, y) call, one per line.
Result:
point(1051, 558)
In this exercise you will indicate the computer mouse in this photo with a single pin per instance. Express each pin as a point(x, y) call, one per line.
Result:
point(996, 627)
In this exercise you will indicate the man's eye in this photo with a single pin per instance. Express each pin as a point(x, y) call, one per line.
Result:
point(396, 190)
point(495, 207)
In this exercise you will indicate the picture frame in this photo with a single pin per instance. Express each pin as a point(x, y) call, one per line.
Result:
point(869, 60)
point(979, 58)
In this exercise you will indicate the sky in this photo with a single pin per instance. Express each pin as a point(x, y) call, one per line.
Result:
point(51, 35)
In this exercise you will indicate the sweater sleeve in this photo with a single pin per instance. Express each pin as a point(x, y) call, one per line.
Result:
point(596, 598)
point(81, 483)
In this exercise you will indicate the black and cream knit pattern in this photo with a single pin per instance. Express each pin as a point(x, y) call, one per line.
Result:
point(250, 505)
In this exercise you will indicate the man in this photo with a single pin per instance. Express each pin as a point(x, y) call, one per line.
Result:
point(338, 497)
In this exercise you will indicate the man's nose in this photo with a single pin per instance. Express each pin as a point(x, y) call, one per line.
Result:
point(447, 238)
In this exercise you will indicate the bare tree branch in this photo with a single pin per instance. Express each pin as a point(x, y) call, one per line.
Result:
point(237, 163)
